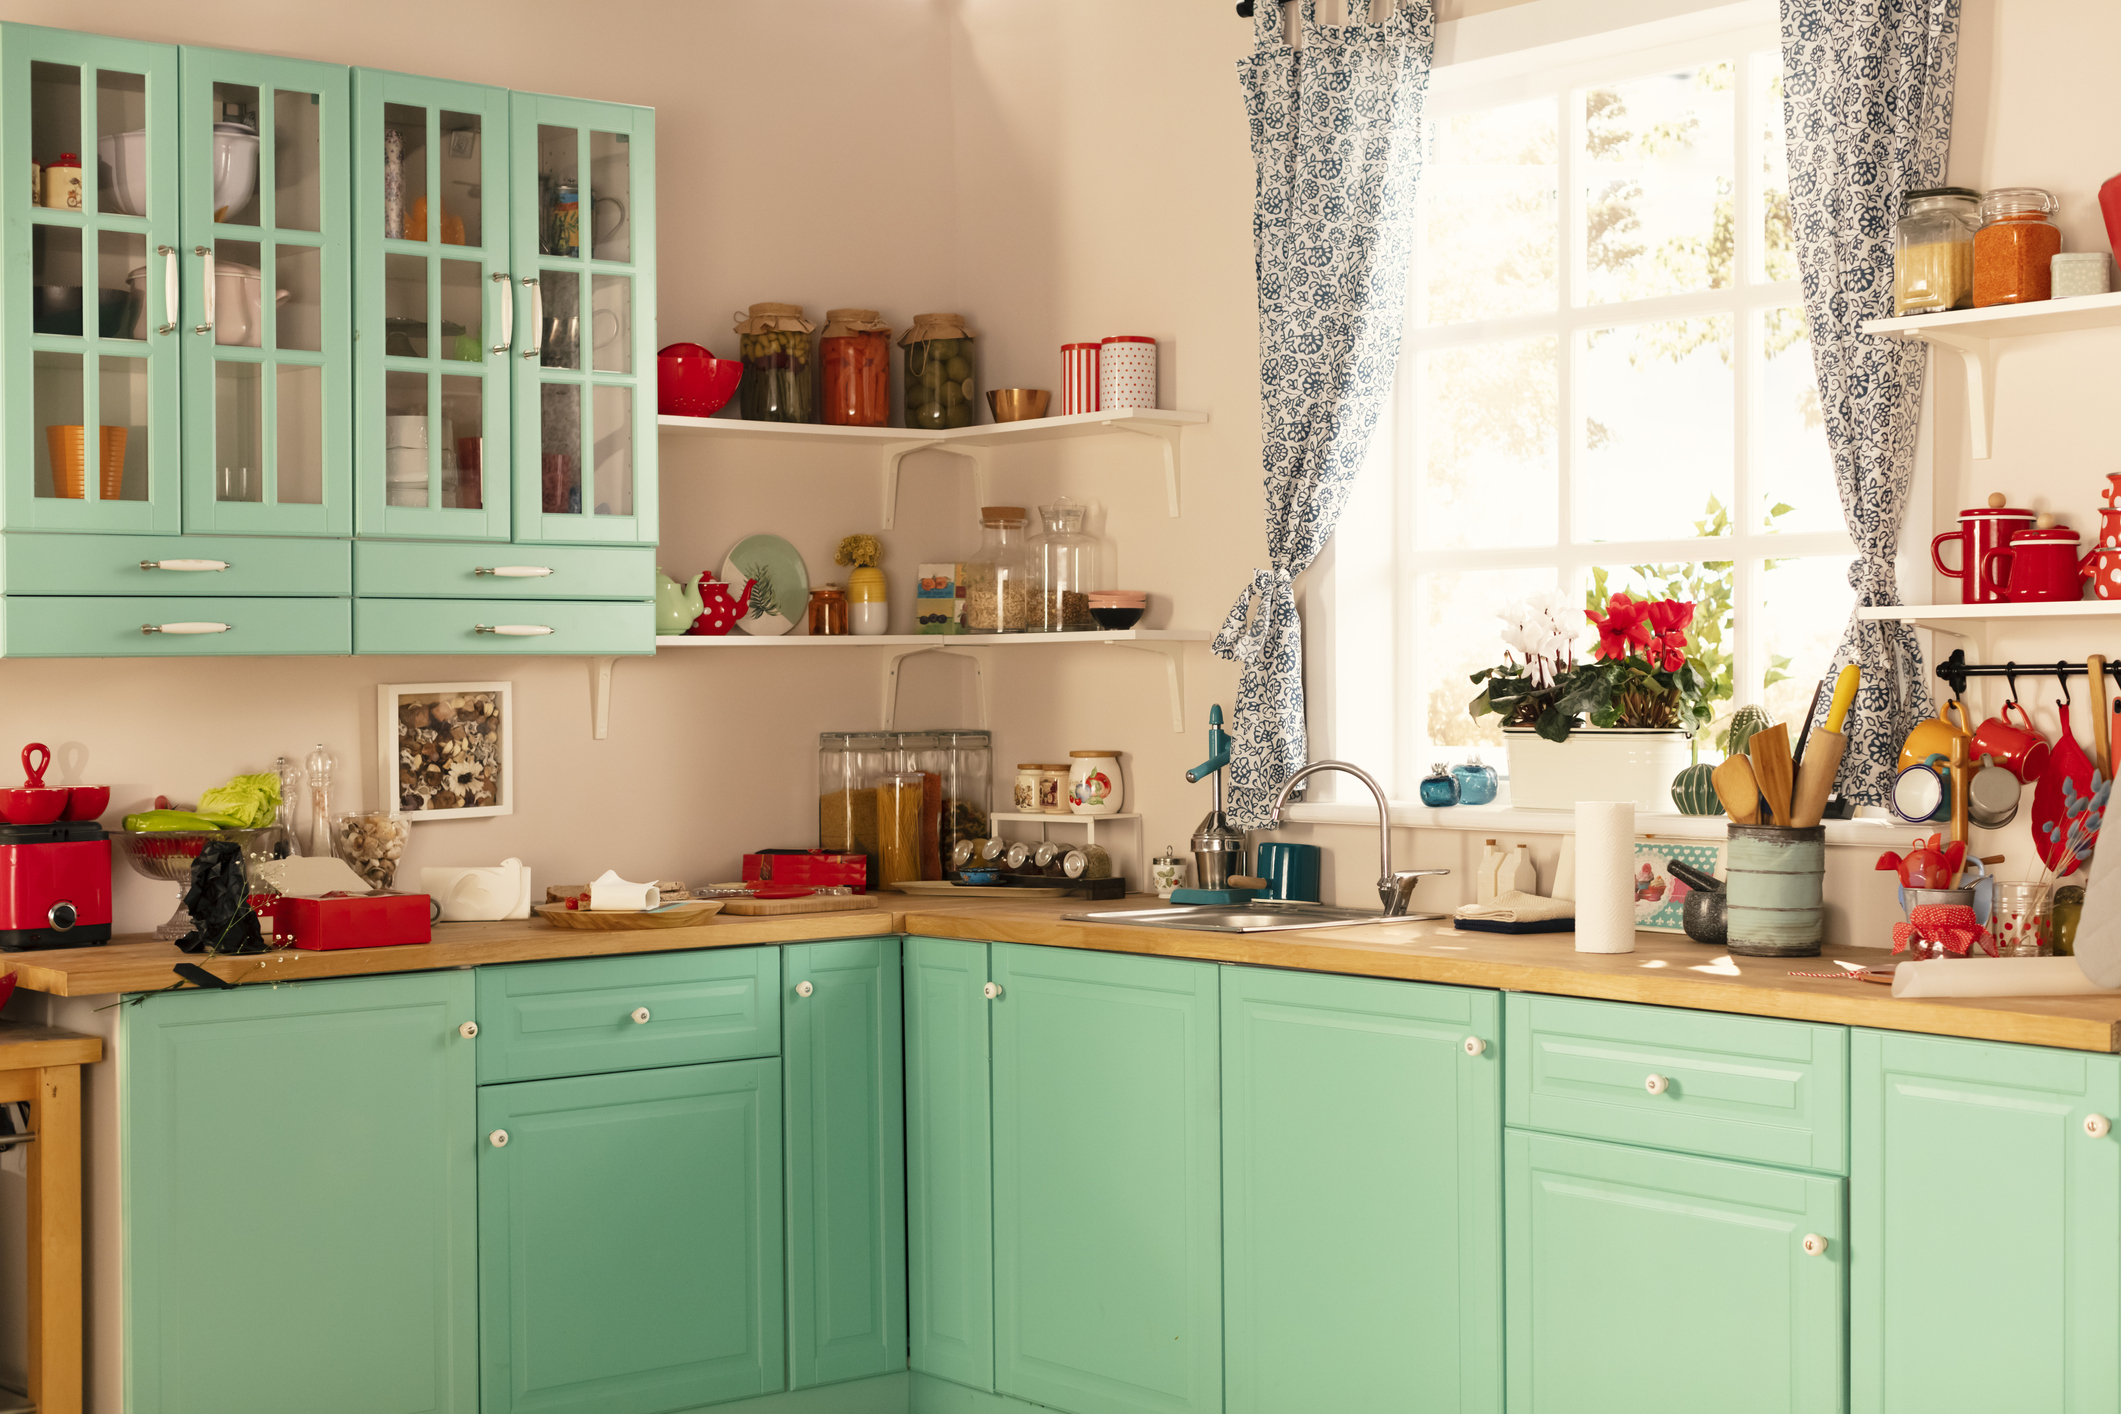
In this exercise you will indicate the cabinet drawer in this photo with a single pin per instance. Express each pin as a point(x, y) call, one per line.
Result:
point(156, 565)
point(85, 626)
point(1731, 1086)
point(481, 626)
point(396, 569)
point(541, 1019)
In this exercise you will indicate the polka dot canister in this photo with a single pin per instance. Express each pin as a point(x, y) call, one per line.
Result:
point(1126, 372)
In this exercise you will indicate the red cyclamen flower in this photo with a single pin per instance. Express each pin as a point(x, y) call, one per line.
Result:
point(1624, 627)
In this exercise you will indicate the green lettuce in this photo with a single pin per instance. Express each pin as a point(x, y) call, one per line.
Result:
point(249, 802)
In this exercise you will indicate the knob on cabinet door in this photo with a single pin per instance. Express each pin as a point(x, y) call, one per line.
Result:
point(992, 991)
point(1814, 1244)
point(640, 1016)
point(1656, 1084)
point(804, 989)
point(468, 1030)
point(2097, 1126)
point(499, 1139)
point(1475, 1046)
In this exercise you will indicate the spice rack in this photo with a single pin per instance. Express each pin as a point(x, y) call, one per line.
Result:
point(1136, 879)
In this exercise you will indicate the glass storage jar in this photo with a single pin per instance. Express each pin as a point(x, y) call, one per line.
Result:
point(922, 754)
point(967, 765)
point(898, 826)
point(1067, 569)
point(2022, 919)
point(849, 764)
point(828, 611)
point(942, 388)
point(779, 384)
point(1933, 250)
point(854, 367)
point(999, 593)
point(2014, 246)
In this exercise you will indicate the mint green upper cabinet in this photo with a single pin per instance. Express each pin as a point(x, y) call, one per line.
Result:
point(1107, 1182)
point(1979, 1190)
point(88, 298)
point(1646, 1281)
point(846, 1133)
point(582, 222)
point(433, 301)
point(300, 1157)
point(1362, 1214)
point(268, 426)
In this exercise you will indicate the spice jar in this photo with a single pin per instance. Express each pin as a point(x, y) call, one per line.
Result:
point(828, 612)
point(1092, 861)
point(778, 383)
point(941, 389)
point(2014, 246)
point(998, 579)
point(1095, 786)
point(1067, 569)
point(1018, 860)
point(1049, 857)
point(1027, 787)
point(1053, 789)
point(854, 362)
point(62, 182)
point(1933, 250)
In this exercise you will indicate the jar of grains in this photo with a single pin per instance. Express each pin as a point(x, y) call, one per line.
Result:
point(2014, 247)
point(1933, 250)
point(1000, 583)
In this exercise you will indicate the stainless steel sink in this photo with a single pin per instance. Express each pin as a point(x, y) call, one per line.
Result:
point(1259, 917)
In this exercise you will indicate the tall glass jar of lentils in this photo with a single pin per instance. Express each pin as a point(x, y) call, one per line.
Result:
point(854, 360)
point(779, 383)
point(942, 385)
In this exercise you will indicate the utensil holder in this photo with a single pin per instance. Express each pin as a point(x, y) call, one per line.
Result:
point(68, 447)
point(1774, 885)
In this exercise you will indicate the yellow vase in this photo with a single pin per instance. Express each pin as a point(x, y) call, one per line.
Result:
point(867, 611)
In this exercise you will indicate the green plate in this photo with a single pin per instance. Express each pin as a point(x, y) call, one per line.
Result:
point(782, 591)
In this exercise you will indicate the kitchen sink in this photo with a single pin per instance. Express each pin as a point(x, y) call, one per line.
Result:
point(1259, 917)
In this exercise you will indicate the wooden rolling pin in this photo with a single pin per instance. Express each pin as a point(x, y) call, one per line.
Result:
point(2102, 744)
point(1822, 755)
point(1962, 777)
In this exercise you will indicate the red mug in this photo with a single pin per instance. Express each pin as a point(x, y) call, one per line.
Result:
point(2041, 567)
point(2020, 750)
point(1980, 531)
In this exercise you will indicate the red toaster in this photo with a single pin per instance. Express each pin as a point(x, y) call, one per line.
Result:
point(54, 885)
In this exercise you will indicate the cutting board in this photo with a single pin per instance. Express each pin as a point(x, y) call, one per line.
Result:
point(682, 915)
point(817, 903)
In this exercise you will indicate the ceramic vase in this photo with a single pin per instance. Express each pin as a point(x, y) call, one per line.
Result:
point(1692, 792)
point(868, 613)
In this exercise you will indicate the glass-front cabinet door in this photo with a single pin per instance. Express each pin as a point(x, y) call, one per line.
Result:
point(434, 316)
point(267, 407)
point(583, 224)
point(91, 257)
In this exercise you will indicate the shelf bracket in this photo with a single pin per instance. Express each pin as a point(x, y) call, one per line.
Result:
point(894, 453)
point(1168, 435)
point(982, 481)
point(1979, 357)
point(600, 697)
point(981, 677)
point(1174, 656)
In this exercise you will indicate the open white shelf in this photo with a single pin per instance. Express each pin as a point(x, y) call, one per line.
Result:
point(894, 443)
point(1923, 614)
point(1975, 335)
point(1090, 825)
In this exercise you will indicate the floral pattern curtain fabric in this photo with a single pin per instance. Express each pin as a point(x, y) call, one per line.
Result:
point(1336, 136)
point(1867, 88)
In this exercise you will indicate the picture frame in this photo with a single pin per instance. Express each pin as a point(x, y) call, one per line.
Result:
point(446, 750)
point(1659, 898)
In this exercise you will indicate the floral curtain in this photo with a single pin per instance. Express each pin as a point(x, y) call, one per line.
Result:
point(1336, 136)
point(1867, 88)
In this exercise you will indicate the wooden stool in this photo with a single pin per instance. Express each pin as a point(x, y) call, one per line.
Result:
point(41, 1066)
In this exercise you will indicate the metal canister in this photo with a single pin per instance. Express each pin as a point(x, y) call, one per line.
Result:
point(1775, 890)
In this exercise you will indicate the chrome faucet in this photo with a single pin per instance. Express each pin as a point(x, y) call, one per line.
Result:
point(1394, 887)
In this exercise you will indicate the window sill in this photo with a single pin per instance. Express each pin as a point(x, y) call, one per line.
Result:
point(1502, 818)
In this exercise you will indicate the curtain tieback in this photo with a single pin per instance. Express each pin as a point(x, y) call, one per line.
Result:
point(1259, 604)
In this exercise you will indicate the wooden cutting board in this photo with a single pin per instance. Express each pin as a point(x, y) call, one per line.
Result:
point(816, 903)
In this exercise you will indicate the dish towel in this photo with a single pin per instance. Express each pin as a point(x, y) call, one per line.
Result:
point(1517, 906)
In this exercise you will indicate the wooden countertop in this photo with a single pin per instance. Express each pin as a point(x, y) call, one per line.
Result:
point(1664, 970)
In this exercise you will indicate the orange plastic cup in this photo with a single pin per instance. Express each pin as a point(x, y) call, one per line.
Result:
point(69, 469)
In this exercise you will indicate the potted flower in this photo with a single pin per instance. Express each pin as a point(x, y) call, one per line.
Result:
point(1616, 727)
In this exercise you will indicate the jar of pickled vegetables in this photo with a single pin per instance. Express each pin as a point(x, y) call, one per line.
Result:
point(854, 361)
point(2014, 247)
point(942, 387)
point(779, 384)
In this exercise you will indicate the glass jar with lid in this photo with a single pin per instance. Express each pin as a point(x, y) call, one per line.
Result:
point(942, 389)
point(2014, 247)
point(779, 384)
point(849, 764)
point(1000, 595)
point(922, 753)
point(898, 826)
point(854, 367)
point(1067, 568)
point(967, 766)
point(1933, 250)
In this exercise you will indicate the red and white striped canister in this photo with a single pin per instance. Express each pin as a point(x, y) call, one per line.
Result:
point(1126, 373)
point(1078, 378)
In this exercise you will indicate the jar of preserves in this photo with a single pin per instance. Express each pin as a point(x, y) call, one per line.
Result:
point(828, 611)
point(942, 389)
point(778, 383)
point(999, 593)
point(1067, 569)
point(2014, 247)
point(854, 364)
point(1933, 250)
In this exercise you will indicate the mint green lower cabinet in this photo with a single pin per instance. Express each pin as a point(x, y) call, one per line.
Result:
point(630, 1240)
point(949, 1161)
point(115, 627)
point(1985, 1227)
point(1107, 1182)
point(1642, 1282)
point(845, 1122)
point(502, 626)
point(299, 1164)
point(1362, 1212)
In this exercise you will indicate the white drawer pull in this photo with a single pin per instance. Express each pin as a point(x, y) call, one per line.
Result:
point(499, 1139)
point(1814, 1244)
point(2097, 1126)
point(640, 1016)
point(992, 991)
point(513, 630)
point(1656, 1084)
point(186, 628)
point(1475, 1046)
point(188, 566)
point(468, 1030)
point(513, 571)
point(804, 989)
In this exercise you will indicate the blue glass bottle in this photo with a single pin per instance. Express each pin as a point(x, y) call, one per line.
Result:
point(1439, 787)
point(1476, 782)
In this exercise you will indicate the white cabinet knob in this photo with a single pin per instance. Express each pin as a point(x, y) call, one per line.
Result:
point(1475, 1046)
point(2097, 1126)
point(468, 1030)
point(992, 991)
point(1814, 1244)
point(804, 989)
point(1656, 1084)
point(640, 1016)
point(499, 1139)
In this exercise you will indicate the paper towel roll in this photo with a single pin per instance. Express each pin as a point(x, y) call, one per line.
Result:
point(1605, 876)
point(1995, 977)
point(609, 893)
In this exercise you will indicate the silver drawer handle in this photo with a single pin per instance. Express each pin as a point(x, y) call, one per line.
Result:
point(169, 288)
point(206, 289)
point(1656, 1084)
point(188, 566)
point(186, 628)
point(508, 312)
point(640, 1016)
point(513, 630)
point(513, 571)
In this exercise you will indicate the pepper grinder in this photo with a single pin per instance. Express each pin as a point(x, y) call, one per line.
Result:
point(318, 766)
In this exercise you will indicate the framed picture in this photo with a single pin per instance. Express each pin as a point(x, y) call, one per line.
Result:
point(447, 749)
point(1658, 896)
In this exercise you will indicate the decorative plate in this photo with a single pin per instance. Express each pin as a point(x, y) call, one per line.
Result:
point(780, 587)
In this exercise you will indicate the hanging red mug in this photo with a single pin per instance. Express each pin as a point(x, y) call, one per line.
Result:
point(2039, 566)
point(1980, 531)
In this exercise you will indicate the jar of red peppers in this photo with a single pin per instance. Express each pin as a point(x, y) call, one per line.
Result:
point(2014, 246)
point(854, 359)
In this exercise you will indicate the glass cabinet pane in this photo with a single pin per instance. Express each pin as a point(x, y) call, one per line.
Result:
point(462, 223)
point(614, 451)
point(239, 435)
point(121, 284)
point(611, 322)
point(235, 154)
point(298, 435)
point(463, 418)
point(297, 161)
point(560, 448)
point(561, 335)
point(405, 306)
point(462, 292)
point(55, 394)
point(55, 278)
point(298, 271)
point(121, 143)
point(122, 393)
point(559, 191)
point(238, 290)
point(55, 133)
point(404, 166)
point(405, 439)
point(610, 196)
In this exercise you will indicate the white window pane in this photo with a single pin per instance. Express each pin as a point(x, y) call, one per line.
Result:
point(1777, 258)
point(1456, 634)
point(1791, 467)
point(1656, 192)
point(1804, 608)
point(1487, 472)
point(1711, 586)
point(1488, 234)
point(1656, 449)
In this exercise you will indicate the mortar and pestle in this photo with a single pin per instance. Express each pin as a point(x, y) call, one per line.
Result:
point(1704, 904)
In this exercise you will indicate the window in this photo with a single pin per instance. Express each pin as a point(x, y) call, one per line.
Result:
point(1605, 384)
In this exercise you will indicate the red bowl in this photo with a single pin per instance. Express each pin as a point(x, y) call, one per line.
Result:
point(86, 803)
point(33, 805)
point(692, 382)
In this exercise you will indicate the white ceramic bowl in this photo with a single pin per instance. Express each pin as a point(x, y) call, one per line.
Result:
point(235, 168)
point(123, 157)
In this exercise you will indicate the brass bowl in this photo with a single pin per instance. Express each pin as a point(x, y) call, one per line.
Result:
point(1018, 404)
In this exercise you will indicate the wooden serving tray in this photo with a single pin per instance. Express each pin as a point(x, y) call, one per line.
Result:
point(682, 915)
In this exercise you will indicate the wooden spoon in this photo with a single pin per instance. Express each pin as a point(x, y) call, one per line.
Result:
point(1770, 750)
point(2102, 746)
point(1736, 787)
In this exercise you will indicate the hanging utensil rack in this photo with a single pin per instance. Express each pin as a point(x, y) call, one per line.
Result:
point(1955, 670)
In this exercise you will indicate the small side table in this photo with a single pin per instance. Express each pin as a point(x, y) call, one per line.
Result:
point(41, 1066)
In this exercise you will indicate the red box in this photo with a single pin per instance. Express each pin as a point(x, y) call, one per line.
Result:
point(809, 868)
point(352, 921)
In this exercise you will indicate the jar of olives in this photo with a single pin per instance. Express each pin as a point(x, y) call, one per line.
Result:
point(854, 353)
point(942, 389)
point(779, 383)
